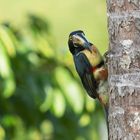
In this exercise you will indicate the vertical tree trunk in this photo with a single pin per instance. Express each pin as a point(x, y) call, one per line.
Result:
point(124, 69)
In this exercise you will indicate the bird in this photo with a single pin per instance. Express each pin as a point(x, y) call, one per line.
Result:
point(91, 67)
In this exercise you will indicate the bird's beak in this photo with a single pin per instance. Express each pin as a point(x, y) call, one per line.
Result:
point(85, 43)
point(82, 41)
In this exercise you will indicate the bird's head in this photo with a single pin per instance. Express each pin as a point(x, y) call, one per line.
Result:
point(77, 42)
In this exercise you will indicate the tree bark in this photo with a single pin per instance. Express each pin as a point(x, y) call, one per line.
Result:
point(124, 69)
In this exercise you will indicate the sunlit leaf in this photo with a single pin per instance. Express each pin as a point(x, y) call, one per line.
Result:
point(7, 41)
point(35, 134)
point(2, 133)
point(43, 46)
point(47, 127)
point(90, 104)
point(34, 59)
point(4, 62)
point(6, 73)
point(72, 92)
point(58, 103)
point(9, 87)
point(48, 99)
point(84, 120)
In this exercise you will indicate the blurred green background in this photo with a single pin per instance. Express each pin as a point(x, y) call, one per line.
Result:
point(41, 96)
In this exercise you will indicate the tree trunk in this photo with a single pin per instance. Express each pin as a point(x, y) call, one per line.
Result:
point(124, 69)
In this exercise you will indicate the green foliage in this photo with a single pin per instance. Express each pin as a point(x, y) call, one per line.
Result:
point(40, 96)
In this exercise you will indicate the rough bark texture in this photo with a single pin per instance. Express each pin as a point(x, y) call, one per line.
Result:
point(124, 69)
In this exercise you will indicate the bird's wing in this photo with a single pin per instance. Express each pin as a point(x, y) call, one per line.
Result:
point(84, 70)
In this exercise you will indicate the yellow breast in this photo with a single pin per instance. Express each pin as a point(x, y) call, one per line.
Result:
point(94, 57)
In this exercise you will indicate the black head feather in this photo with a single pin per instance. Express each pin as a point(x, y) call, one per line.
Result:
point(72, 49)
point(76, 32)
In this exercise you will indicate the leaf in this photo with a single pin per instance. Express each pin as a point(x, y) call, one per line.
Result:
point(2, 133)
point(9, 120)
point(90, 104)
point(9, 87)
point(6, 73)
point(4, 62)
point(71, 90)
point(45, 106)
point(84, 120)
point(44, 47)
point(7, 41)
point(58, 103)
point(47, 127)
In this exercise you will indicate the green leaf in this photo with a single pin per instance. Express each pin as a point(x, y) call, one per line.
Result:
point(6, 73)
point(43, 46)
point(4, 62)
point(84, 120)
point(90, 104)
point(47, 127)
point(9, 87)
point(45, 106)
point(72, 92)
point(58, 103)
point(2, 133)
point(7, 41)
point(9, 120)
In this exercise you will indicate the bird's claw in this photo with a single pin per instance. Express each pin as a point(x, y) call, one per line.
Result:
point(107, 55)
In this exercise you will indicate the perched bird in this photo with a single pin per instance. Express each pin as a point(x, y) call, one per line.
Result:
point(90, 66)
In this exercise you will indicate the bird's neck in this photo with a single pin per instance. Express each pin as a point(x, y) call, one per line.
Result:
point(77, 50)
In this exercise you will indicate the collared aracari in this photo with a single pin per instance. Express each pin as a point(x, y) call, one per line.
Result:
point(90, 66)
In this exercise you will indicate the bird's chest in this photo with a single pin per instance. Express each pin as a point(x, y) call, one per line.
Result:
point(93, 57)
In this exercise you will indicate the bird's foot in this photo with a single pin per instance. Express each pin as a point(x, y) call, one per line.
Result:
point(107, 55)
